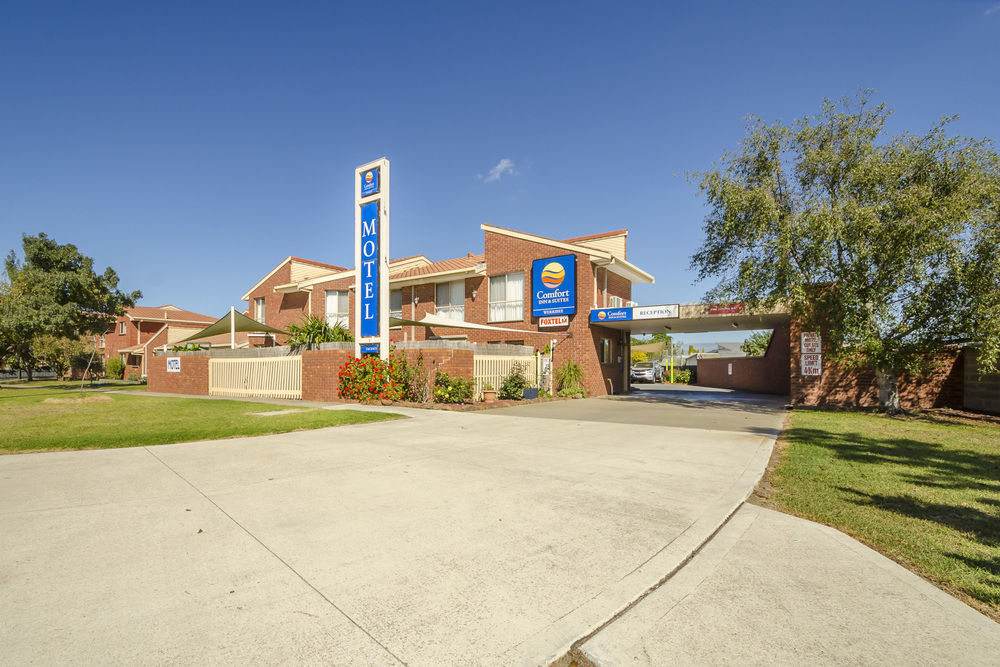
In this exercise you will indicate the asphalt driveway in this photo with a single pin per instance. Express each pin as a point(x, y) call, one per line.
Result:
point(448, 538)
point(683, 406)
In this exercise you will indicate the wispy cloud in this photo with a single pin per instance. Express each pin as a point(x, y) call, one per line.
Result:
point(992, 10)
point(504, 166)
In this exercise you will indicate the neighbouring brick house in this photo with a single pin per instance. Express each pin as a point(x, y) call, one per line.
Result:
point(490, 288)
point(134, 335)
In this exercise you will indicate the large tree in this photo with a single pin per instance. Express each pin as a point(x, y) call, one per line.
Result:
point(54, 291)
point(889, 244)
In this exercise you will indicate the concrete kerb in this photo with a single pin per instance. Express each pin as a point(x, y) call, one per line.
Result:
point(558, 642)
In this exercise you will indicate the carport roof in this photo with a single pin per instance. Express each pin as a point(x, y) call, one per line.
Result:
point(699, 318)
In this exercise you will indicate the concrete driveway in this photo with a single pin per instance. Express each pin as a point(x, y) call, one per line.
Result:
point(448, 538)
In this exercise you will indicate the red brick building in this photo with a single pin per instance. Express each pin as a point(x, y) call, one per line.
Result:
point(492, 287)
point(134, 335)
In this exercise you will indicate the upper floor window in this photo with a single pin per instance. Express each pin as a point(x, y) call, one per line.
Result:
point(615, 302)
point(337, 307)
point(121, 328)
point(507, 297)
point(396, 303)
point(258, 309)
point(450, 300)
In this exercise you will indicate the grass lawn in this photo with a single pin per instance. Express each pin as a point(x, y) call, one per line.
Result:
point(53, 418)
point(923, 491)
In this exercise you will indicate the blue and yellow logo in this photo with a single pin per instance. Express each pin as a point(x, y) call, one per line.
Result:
point(553, 275)
point(368, 177)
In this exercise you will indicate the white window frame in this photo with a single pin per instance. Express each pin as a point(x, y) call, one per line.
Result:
point(615, 301)
point(510, 305)
point(337, 316)
point(393, 312)
point(450, 310)
point(121, 328)
point(606, 352)
point(260, 310)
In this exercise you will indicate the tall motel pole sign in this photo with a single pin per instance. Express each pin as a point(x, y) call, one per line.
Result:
point(371, 259)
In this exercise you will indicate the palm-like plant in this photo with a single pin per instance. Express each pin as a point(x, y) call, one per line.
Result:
point(315, 330)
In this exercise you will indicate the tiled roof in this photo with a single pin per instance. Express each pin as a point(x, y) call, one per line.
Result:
point(167, 313)
point(470, 261)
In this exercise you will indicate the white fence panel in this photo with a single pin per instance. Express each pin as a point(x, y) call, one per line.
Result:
point(266, 377)
point(492, 369)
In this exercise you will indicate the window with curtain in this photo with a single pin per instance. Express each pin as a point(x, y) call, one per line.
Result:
point(258, 309)
point(396, 304)
point(336, 307)
point(450, 300)
point(507, 297)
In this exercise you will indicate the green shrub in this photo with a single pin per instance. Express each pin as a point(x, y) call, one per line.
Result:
point(190, 347)
point(572, 391)
point(315, 330)
point(410, 377)
point(639, 355)
point(681, 375)
point(368, 379)
point(513, 386)
point(449, 389)
point(115, 368)
point(133, 377)
point(569, 375)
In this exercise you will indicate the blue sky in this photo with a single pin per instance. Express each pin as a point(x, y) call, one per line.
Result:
point(192, 146)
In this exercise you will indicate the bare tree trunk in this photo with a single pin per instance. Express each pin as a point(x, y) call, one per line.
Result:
point(29, 373)
point(888, 390)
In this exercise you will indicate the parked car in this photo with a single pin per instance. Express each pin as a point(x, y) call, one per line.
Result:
point(647, 371)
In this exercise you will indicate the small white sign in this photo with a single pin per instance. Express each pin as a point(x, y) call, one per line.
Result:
point(812, 364)
point(173, 364)
point(555, 321)
point(811, 343)
point(654, 312)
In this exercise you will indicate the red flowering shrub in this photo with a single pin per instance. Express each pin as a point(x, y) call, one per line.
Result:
point(369, 379)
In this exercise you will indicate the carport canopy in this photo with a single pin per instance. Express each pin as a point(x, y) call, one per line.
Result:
point(232, 322)
point(694, 318)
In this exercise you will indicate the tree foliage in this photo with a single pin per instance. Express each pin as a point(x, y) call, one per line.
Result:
point(54, 291)
point(756, 343)
point(888, 244)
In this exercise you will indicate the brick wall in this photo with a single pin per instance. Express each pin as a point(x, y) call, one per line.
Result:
point(193, 378)
point(767, 374)
point(320, 368)
point(841, 387)
point(319, 373)
point(980, 392)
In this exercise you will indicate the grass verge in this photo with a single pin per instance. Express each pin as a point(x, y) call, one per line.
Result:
point(55, 419)
point(924, 491)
